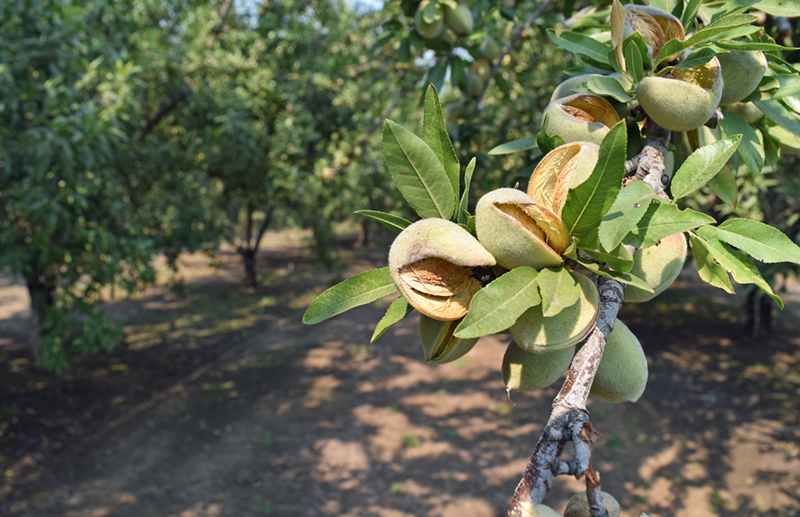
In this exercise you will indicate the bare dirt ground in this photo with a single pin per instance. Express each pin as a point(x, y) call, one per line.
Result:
point(221, 403)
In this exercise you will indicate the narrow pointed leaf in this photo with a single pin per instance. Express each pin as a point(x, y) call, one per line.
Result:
point(743, 269)
point(724, 186)
point(558, 289)
point(618, 259)
point(716, 28)
point(625, 278)
point(662, 220)
point(418, 173)
point(699, 58)
point(591, 200)
point(393, 222)
point(434, 133)
point(750, 148)
point(463, 206)
point(709, 271)
point(628, 209)
point(581, 45)
point(634, 60)
point(759, 240)
point(398, 310)
point(516, 146)
point(357, 290)
point(702, 165)
point(608, 86)
point(498, 305)
point(780, 115)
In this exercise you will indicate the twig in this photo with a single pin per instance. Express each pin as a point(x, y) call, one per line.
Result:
point(569, 420)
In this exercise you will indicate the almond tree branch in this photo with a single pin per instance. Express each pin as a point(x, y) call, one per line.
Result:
point(569, 420)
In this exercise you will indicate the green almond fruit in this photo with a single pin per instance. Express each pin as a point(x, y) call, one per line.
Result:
point(526, 371)
point(518, 231)
point(428, 29)
point(458, 20)
point(578, 505)
point(490, 49)
point(742, 71)
point(562, 169)
point(438, 342)
point(684, 99)
point(434, 264)
point(622, 374)
point(528, 509)
point(655, 25)
point(536, 333)
point(581, 117)
point(747, 110)
point(659, 266)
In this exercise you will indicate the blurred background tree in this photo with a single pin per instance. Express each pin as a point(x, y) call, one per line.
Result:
point(133, 130)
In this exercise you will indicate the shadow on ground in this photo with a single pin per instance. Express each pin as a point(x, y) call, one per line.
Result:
point(223, 404)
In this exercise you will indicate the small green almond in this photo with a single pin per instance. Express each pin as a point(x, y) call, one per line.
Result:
point(507, 229)
point(438, 342)
point(580, 118)
point(578, 505)
point(432, 262)
point(683, 99)
point(622, 374)
point(658, 265)
point(526, 371)
point(536, 333)
point(742, 71)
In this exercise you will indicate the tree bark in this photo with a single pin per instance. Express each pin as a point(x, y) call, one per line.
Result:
point(42, 290)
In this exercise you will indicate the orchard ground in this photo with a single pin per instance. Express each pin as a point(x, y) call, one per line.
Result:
point(222, 403)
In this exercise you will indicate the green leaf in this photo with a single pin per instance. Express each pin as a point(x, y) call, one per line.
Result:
point(633, 60)
point(625, 278)
point(393, 222)
point(434, 133)
point(717, 27)
point(418, 173)
point(690, 12)
point(516, 146)
point(780, 115)
point(602, 85)
point(641, 44)
point(709, 271)
point(357, 290)
point(464, 205)
point(702, 165)
point(498, 305)
point(724, 186)
point(618, 259)
point(590, 201)
point(698, 58)
point(398, 310)
point(750, 148)
point(581, 45)
point(558, 289)
point(760, 240)
point(788, 8)
point(662, 220)
point(628, 209)
point(753, 45)
point(743, 270)
point(545, 142)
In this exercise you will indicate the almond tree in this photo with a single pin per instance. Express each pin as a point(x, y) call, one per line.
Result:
point(651, 117)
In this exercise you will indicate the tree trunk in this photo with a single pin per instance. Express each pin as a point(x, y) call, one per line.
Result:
point(249, 258)
point(363, 235)
point(758, 309)
point(42, 290)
